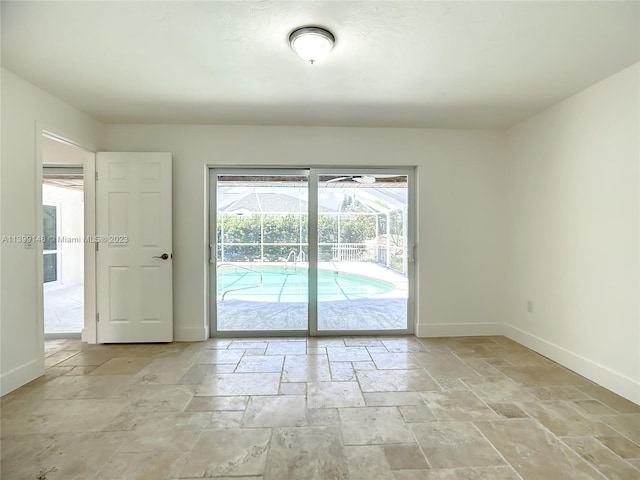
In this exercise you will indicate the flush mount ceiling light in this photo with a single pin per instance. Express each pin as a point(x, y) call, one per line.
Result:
point(311, 43)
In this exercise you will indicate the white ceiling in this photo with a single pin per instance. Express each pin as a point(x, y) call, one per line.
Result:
point(422, 64)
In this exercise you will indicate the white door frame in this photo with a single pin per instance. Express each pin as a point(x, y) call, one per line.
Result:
point(88, 333)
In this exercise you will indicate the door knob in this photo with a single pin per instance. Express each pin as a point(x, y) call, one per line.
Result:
point(164, 256)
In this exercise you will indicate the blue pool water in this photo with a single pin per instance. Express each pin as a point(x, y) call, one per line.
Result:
point(280, 285)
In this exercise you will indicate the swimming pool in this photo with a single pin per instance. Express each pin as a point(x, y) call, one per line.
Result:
point(279, 285)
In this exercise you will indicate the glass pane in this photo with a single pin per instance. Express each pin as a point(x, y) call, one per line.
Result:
point(49, 217)
point(362, 252)
point(262, 252)
point(50, 267)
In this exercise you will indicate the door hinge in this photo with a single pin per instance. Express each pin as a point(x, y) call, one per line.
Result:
point(96, 176)
point(97, 317)
point(97, 246)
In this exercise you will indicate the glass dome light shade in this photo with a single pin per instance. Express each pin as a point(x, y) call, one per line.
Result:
point(311, 43)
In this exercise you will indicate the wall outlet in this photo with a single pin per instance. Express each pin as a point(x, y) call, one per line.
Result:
point(530, 306)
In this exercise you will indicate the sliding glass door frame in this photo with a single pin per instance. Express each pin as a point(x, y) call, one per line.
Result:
point(312, 174)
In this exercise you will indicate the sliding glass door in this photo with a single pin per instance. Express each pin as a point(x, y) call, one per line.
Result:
point(363, 251)
point(261, 252)
point(311, 251)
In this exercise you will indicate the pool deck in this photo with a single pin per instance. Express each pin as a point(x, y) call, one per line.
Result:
point(387, 311)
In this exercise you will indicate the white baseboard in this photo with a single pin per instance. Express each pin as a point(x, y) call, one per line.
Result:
point(459, 329)
point(190, 334)
point(20, 376)
point(614, 381)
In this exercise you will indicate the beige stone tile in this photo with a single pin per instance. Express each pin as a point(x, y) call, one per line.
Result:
point(564, 419)
point(161, 373)
point(210, 404)
point(472, 350)
point(289, 348)
point(634, 462)
point(391, 399)
point(215, 357)
point(534, 376)
point(306, 368)
point(316, 351)
point(247, 344)
point(293, 388)
point(534, 452)
point(348, 354)
point(122, 366)
point(527, 358)
point(603, 459)
point(498, 390)
point(218, 343)
point(449, 384)
point(363, 365)
point(395, 361)
point(89, 357)
point(373, 425)
point(627, 424)
point(81, 370)
point(593, 407)
point(417, 413)
point(234, 384)
point(83, 386)
point(159, 432)
point(278, 411)
point(367, 462)
point(455, 444)
point(621, 446)
point(444, 364)
point(307, 453)
point(558, 393)
point(225, 419)
point(363, 342)
point(334, 395)
point(396, 381)
point(406, 344)
point(154, 398)
point(59, 356)
point(75, 456)
point(507, 410)
point(407, 456)
point(610, 399)
point(342, 372)
point(472, 473)
point(77, 416)
point(481, 367)
point(233, 452)
point(323, 417)
point(261, 363)
point(457, 405)
point(143, 466)
point(381, 349)
point(35, 405)
point(198, 373)
point(325, 342)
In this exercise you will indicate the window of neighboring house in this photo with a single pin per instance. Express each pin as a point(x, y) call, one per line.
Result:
point(50, 248)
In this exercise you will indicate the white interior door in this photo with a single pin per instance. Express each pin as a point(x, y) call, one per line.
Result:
point(134, 259)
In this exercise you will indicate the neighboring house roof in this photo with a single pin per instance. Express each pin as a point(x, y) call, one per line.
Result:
point(254, 202)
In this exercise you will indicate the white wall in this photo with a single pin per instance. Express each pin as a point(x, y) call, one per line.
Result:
point(574, 218)
point(26, 109)
point(460, 194)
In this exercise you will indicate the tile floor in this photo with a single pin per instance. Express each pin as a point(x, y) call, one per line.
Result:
point(375, 408)
point(64, 309)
